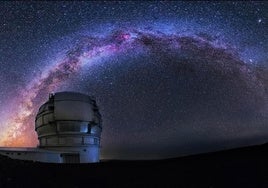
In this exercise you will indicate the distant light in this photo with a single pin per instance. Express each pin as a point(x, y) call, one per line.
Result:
point(126, 36)
point(259, 20)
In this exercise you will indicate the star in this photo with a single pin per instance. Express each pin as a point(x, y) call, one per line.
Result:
point(170, 78)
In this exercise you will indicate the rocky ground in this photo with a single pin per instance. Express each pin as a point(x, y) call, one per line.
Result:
point(244, 167)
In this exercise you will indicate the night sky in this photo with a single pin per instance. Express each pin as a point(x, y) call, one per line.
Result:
point(170, 78)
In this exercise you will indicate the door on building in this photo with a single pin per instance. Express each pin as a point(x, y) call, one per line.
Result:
point(70, 158)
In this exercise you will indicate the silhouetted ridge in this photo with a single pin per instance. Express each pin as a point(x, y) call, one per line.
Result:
point(243, 167)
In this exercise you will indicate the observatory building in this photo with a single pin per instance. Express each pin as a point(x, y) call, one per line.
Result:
point(69, 127)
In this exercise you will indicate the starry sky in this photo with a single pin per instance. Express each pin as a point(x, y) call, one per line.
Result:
point(170, 78)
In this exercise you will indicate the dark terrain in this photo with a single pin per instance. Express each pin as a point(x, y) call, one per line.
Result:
point(244, 167)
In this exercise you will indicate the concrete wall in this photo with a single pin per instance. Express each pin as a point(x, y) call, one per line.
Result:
point(91, 155)
point(32, 156)
point(86, 155)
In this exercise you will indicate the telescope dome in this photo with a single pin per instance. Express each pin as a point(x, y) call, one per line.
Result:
point(68, 119)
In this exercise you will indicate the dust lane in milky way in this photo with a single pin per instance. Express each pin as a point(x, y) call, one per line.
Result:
point(19, 128)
